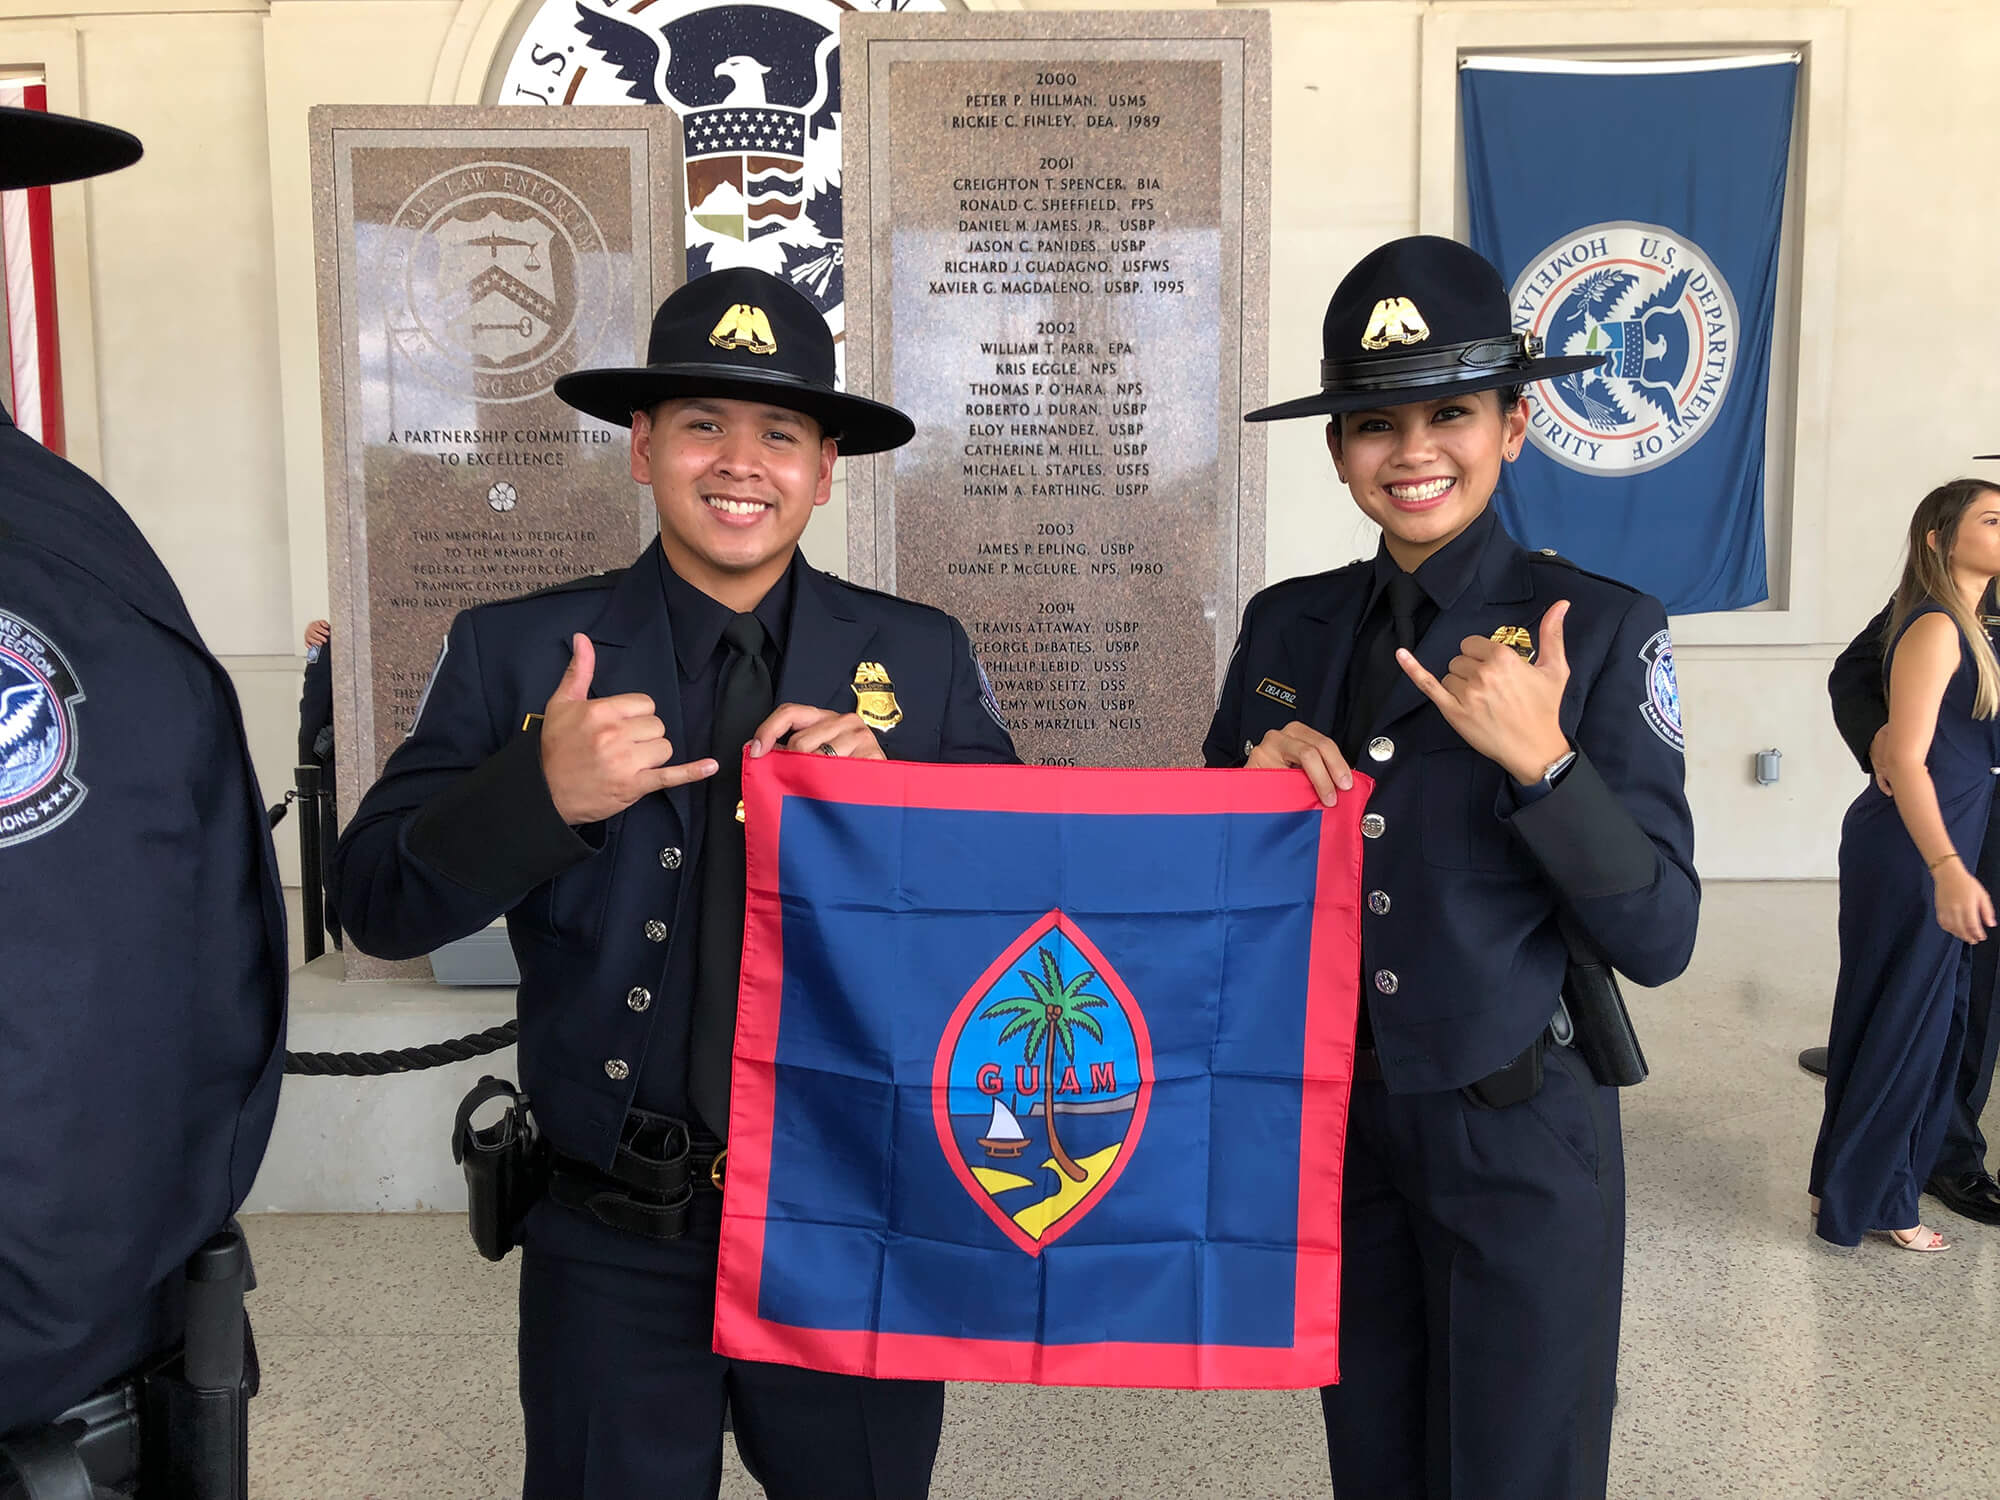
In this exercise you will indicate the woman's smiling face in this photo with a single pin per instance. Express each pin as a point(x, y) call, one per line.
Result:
point(1425, 471)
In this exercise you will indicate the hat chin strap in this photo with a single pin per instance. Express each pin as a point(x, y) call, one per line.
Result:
point(1436, 366)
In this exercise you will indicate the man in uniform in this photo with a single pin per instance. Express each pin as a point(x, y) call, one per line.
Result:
point(142, 954)
point(576, 766)
point(1520, 721)
point(1959, 1178)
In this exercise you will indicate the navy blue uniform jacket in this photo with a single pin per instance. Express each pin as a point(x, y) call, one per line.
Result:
point(142, 952)
point(1462, 959)
point(461, 829)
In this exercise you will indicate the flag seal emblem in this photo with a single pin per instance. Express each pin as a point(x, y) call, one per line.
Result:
point(1043, 1077)
point(1653, 304)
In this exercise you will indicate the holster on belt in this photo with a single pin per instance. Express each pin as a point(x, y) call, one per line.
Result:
point(506, 1166)
point(660, 1164)
point(1605, 1038)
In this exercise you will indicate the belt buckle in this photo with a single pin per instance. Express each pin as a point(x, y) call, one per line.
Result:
point(715, 1169)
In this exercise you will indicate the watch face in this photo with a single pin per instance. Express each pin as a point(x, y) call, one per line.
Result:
point(757, 89)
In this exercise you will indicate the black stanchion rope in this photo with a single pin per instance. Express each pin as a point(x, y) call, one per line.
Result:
point(402, 1059)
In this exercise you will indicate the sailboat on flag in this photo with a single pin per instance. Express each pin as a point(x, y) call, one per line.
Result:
point(1004, 1136)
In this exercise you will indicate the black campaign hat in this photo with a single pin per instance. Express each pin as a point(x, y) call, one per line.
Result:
point(38, 148)
point(740, 334)
point(1420, 319)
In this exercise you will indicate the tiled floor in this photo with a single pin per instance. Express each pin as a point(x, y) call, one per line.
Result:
point(1757, 1362)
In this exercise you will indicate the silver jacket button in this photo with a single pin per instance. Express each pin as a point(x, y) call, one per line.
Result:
point(638, 997)
point(1372, 825)
point(616, 1069)
point(1386, 981)
point(656, 931)
point(670, 858)
point(1378, 902)
point(1381, 747)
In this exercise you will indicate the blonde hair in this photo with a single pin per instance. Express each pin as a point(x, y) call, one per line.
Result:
point(1927, 575)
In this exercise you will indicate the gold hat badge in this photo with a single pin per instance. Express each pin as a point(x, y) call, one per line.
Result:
point(875, 696)
point(1395, 321)
point(1517, 640)
point(744, 327)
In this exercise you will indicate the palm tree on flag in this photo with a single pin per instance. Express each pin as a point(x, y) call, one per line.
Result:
point(1050, 1013)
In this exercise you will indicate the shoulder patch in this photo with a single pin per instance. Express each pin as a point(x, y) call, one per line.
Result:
point(429, 683)
point(39, 787)
point(986, 699)
point(1662, 708)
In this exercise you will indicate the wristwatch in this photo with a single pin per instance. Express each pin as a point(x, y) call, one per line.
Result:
point(1556, 770)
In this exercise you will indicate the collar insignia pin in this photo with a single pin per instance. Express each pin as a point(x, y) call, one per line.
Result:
point(1395, 321)
point(744, 327)
point(875, 696)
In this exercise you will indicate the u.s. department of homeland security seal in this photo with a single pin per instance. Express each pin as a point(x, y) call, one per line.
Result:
point(1654, 305)
point(38, 740)
point(497, 276)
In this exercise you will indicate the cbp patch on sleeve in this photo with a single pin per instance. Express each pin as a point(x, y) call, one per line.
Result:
point(38, 740)
point(1662, 708)
point(424, 702)
point(986, 698)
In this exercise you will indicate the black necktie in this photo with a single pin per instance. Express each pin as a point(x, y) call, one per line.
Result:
point(1375, 671)
point(743, 701)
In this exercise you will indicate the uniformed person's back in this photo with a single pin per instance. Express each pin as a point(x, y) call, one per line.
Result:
point(142, 954)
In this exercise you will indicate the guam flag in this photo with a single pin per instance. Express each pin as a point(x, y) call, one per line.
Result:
point(1634, 210)
point(1041, 1074)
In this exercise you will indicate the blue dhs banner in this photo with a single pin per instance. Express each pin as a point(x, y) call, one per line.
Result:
point(1634, 208)
point(1041, 1074)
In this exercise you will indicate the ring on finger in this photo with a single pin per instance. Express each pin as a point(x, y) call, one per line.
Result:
point(826, 750)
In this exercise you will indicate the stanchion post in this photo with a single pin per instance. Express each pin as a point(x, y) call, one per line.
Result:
point(312, 889)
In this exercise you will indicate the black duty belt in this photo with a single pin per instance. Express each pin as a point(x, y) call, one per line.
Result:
point(660, 1164)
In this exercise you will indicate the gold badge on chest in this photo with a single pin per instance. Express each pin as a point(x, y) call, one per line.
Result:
point(875, 696)
point(1516, 639)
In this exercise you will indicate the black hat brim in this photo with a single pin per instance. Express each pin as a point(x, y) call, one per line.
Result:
point(1332, 403)
point(38, 148)
point(856, 424)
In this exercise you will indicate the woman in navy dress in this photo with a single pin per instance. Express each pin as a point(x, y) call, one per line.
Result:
point(1908, 900)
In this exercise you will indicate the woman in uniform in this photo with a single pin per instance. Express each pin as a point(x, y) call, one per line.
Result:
point(1520, 720)
point(1909, 902)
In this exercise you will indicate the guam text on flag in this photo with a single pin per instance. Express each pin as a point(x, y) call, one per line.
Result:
point(1634, 209)
point(1041, 1074)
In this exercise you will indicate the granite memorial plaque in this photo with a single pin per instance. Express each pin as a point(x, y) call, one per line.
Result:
point(467, 257)
point(1057, 250)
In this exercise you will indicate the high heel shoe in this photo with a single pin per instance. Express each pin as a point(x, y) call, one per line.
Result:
point(1922, 1240)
